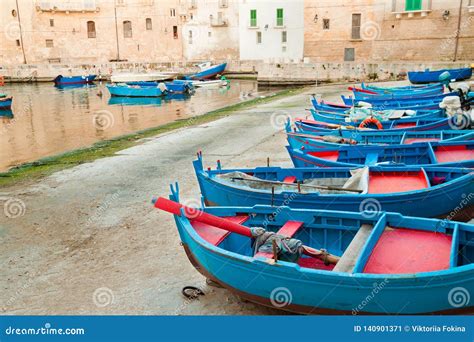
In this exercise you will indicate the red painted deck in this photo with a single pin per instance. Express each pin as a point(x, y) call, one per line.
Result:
point(315, 263)
point(289, 179)
point(446, 154)
point(389, 182)
point(289, 229)
point(415, 140)
point(328, 155)
point(405, 125)
point(405, 251)
point(215, 235)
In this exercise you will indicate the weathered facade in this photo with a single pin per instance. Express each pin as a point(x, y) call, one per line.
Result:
point(389, 30)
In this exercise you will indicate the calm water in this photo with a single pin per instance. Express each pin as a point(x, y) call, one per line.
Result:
point(48, 120)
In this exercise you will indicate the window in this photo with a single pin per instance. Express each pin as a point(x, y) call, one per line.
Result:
point(51, 22)
point(127, 29)
point(223, 3)
point(173, 12)
point(175, 32)
point(412, 5)
point(253, 18)
point(279, 17)
point(259, 37)
point(49, 43)
point(356, 20)
point(91, 29)
point(283, 48)
point(14, 13)
point(349, 55)
point(148, 24)
point(283, 36)
point(209, 34)
point(190, 37)
point(325, 24)
point(18, 42)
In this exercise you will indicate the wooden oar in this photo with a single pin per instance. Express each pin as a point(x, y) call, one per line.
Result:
point(221, 223)
point(322, 187)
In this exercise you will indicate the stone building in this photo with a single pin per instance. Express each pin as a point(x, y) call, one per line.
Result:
point(389, 30)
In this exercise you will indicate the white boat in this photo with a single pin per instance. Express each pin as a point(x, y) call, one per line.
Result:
point(210, 84)
point(141, 77)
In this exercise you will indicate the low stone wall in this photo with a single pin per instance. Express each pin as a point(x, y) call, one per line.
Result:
point(269, 73)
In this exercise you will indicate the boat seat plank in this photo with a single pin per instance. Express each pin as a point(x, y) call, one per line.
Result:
point(289, 229)
point(446, 154)
point(352, 252)
point(409, 251)
point(415, 140)
point(215, 235)
point(371, 158)
point(289, 179)
point(390, 182)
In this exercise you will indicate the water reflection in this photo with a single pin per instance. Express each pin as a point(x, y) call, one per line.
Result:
point(49, 120)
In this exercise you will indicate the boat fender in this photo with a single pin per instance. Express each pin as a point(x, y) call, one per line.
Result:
point(288, 249)
point(371, 120)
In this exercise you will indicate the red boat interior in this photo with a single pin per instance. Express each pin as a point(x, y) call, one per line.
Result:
point(390, 182)
point(446, 154)
point(328, 155)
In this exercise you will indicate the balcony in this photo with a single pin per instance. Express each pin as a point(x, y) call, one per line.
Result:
point(218, 22)
point(67, 6)
point(400, 11)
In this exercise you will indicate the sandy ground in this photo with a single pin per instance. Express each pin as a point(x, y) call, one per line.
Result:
point(88, 240)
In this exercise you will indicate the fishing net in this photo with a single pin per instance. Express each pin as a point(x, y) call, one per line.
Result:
point(287, 249)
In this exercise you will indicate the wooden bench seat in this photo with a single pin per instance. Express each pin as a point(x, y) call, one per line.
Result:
point(352, 252)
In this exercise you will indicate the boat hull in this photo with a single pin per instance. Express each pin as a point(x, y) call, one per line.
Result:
point(62, 80)
point(131, 91)
point(421, 77)
point(315, 291)
point(208, 73)
point(6, 103)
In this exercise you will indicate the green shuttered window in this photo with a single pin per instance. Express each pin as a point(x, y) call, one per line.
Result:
point(413, 5)
point(253, 18)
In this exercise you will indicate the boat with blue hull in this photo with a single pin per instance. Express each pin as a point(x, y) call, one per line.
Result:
point(304, 125)
point(208, 71)
point(337, 259)
point(177, 86)
point(422, 102)
point(346, 189)
point(6, 102)
point(388, 90)
point(429, 76)
point(65, 80)
point(361, 94)
point(324, 140)
point(134, 91)
point(385, 118)
point(442, 154)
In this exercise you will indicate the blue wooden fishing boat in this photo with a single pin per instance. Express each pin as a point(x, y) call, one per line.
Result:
point(385, 118)
point(207, 71)
point(446, 154)
point(361, 94)
point(329, 261)
point(429, 76)
point(176, 86)
point(6, 103)
point(324, 140)
point(422, 102)
point(308, 126)
point(346, 189)
point(64, 80)
point(133, 91)
point(384, 90)
point(342, 107)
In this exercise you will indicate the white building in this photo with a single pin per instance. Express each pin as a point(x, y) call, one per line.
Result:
point(271, 30)
point(210, 29)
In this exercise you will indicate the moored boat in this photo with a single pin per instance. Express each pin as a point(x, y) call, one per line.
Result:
point(442, 154)
point(65, 80)
point(176, 86)
point(6, 102)
point(141, 77)
point(208, 71)
point(428, 76)
point(422, 102)
point(384, 90)
point(361, 94)
point(329, 261)
point(134, 91)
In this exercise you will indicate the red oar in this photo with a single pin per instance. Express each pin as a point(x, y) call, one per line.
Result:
point(219, 222)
